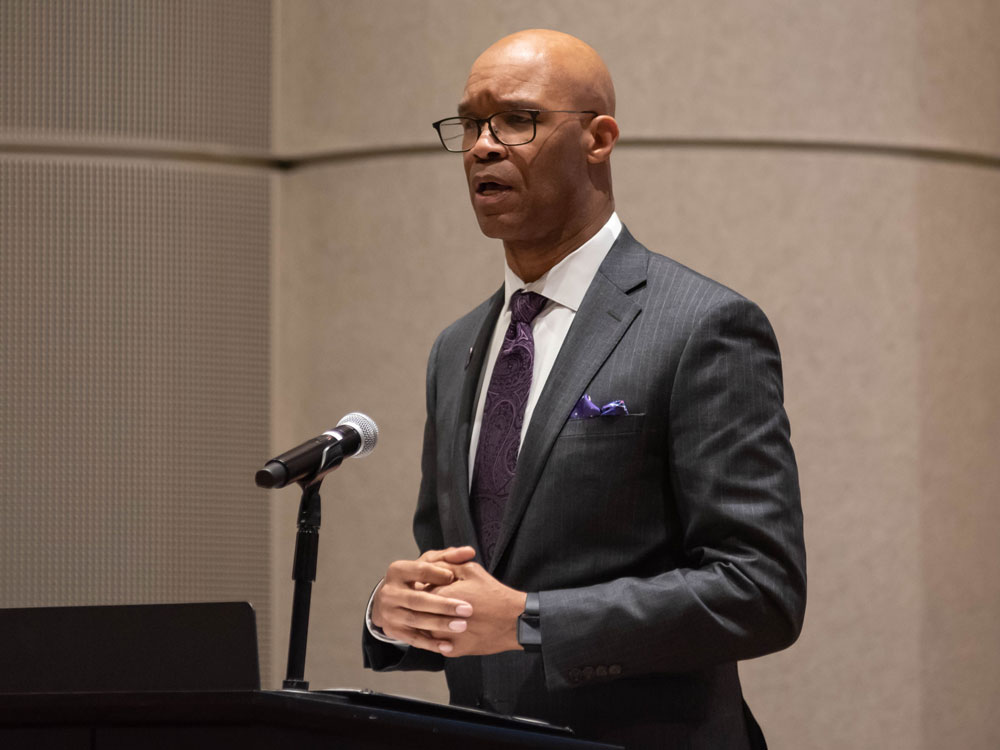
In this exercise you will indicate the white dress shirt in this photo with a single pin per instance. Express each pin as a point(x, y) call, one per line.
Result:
point(565, 285)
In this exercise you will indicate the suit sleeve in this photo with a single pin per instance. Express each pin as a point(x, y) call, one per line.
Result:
point(385, 657)
point(740, 592)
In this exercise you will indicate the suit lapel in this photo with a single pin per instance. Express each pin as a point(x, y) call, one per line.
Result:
point(605, 314)
point(474, 364)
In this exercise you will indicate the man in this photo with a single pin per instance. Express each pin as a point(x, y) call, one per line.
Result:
point(598, 567)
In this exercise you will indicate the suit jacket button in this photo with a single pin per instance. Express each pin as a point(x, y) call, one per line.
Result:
point(601, 671)
point(588, 673)
point(614, 670)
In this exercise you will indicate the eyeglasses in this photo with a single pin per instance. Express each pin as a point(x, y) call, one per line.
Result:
point(513, 128)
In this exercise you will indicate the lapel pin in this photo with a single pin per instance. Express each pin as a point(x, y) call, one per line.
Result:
point(468, 360)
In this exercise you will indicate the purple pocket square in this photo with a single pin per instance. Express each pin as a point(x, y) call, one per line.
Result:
point(587, 409)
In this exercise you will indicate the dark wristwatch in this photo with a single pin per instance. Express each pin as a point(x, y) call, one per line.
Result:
point(529, 625)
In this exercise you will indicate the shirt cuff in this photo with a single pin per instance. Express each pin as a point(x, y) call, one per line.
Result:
point(375, 631)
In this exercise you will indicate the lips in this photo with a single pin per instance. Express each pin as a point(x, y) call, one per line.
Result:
point(491, 193)
point(489, 182)
point(489, 187)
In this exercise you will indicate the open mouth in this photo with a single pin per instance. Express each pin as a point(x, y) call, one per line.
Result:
point(491, 188)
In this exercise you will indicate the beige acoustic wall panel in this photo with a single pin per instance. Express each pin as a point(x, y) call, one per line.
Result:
point(899, 73)
point(134, 319)
point(958, 231)
point(134, 301)
point(167, 74)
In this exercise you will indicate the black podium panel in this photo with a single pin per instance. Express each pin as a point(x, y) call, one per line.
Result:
point(256, 720)
point(209, 646)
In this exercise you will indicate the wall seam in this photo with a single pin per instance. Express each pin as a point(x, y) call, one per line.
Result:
point(320, 158)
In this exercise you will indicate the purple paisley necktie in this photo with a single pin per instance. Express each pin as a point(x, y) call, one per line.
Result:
point(503, 415)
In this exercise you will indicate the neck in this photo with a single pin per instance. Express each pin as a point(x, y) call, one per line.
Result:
point(531, 260)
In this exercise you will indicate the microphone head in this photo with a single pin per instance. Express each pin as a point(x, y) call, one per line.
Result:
point(365, 427)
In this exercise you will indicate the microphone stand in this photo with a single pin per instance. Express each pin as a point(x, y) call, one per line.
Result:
point(303, 573)
point(357, 438)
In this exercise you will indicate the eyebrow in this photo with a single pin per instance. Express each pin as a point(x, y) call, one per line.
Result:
point(465, 109)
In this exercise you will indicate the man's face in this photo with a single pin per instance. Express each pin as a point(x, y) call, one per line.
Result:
point(533, 193)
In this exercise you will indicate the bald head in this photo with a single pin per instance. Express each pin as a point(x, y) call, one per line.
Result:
point(559, 61)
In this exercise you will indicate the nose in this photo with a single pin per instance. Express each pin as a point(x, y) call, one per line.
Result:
point(487, 147)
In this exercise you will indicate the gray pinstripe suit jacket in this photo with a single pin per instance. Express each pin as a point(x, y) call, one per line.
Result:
point(665, 544)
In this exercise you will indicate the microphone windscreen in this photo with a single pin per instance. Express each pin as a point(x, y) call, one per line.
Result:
point(365, 427)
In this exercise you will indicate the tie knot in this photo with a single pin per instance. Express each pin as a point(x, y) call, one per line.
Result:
point(524, 306)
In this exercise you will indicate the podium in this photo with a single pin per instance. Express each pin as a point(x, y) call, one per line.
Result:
point(159, 677)
point(252, 720)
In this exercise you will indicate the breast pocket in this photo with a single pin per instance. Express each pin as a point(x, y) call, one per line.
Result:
point(625, 424)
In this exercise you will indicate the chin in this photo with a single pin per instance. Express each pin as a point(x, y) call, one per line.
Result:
point(499, 226)
point(494, 233)
point(491, 227)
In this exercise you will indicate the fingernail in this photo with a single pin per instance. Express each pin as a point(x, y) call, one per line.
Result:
point(458, 626)
point(446, 648)
point(464, 610)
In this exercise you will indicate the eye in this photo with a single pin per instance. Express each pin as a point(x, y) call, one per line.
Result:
point(517, 117)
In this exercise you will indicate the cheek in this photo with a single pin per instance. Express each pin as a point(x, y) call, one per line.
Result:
point(550, 188)
point(554, 172)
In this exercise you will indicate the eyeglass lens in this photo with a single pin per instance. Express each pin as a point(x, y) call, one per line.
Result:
point(512, 128)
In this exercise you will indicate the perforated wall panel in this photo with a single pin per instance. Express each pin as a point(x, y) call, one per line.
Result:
point(173, 71)
point(134, 310)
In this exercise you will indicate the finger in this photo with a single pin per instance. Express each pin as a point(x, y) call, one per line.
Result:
point(451, 554)
point(467, 570)
point(409, 572)
point(421, 601)
point(434, 574)
point(441, 625)
point(423, 640)
point(458, 555)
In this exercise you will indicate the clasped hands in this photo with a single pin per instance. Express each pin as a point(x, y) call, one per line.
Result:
point(444, 602)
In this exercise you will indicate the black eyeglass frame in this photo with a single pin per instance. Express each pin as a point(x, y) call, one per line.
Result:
point(488, 121)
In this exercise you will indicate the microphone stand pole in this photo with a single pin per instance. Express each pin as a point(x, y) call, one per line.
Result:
point(303, 573)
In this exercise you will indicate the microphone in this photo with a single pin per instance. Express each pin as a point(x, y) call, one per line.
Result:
point(355, 435)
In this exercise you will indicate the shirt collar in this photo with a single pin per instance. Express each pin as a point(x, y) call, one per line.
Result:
point(567, 282)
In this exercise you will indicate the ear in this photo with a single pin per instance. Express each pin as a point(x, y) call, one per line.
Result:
point(602, 135)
